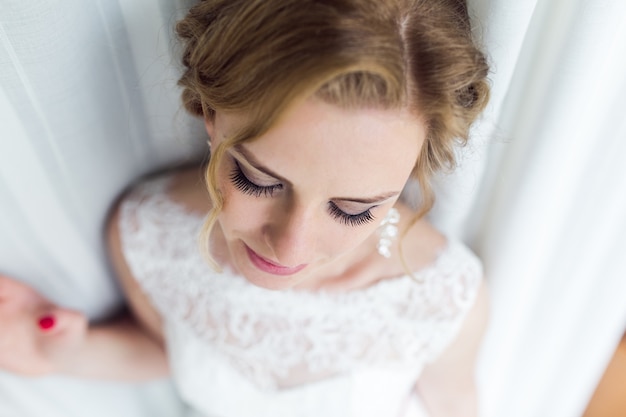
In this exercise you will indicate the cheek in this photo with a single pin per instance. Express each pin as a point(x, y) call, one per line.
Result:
point(340, 239)
point(242, 214)
point(232, 213)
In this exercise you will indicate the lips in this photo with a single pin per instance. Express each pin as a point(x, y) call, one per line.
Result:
point(270, 267)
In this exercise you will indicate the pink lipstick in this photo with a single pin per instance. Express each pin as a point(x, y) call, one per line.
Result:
point(270, 267)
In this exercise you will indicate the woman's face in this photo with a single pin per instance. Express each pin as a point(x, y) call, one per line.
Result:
point(35, 335)
point(302, 201)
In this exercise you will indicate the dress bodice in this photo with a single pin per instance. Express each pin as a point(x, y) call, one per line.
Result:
point(240, 350)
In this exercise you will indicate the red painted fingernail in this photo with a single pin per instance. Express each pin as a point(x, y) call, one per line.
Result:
point(46, 323)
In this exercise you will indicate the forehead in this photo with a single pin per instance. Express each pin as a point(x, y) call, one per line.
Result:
point(326, 131)
point(366, 149)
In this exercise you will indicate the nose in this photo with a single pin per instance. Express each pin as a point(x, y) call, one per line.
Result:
point(292, 235)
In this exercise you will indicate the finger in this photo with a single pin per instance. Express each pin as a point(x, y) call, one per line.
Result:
point(47, 322)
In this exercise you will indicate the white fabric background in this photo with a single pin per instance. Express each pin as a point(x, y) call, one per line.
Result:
point(549, 216)
point(88, 102)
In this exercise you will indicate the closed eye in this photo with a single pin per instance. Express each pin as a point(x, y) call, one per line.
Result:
point(246, 186)
point(350, 219)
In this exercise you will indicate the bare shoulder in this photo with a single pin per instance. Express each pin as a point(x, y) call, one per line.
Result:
point(422, 245)
point(447, 385)
point(138, 302)
point(186, 188)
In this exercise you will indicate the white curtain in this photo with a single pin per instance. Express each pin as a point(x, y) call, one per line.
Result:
point(550, 215)
point(88, 102)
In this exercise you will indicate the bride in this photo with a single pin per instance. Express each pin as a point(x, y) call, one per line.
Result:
point(287, 277)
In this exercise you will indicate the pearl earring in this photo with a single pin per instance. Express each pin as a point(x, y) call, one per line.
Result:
point(388, 232)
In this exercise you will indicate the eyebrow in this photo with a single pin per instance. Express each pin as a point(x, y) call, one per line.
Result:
point(369, 200)
point(252, 161)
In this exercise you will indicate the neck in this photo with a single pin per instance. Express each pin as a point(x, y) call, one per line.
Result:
point(352, 270)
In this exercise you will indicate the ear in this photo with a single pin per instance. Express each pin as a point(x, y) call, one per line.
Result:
point(209, 125)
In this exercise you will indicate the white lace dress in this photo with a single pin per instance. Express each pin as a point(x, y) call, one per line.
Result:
point(237, 350)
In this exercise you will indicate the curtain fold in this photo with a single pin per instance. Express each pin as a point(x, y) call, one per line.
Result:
point(88, 101)
point(551, 213)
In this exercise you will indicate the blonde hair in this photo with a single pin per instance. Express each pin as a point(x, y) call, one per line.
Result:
point(258, 56)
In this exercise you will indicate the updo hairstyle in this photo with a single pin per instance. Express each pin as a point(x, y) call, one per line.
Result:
point(258, 56)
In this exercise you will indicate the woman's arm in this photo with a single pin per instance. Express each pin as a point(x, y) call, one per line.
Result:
point(146, 315)
point(447, 386)
point(127, 348)
point(187, 189)
point(119, 350)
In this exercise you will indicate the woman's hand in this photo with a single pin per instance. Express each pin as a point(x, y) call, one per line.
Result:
point(36, 337)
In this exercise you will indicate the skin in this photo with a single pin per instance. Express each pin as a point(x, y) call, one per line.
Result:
point(24, 347)
point(116, 350)
point(303, 160)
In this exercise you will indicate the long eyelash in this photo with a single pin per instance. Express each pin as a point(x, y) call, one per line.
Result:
point(350, 219)
point(243, 184)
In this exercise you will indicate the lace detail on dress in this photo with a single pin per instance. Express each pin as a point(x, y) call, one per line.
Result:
point(285, 338)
